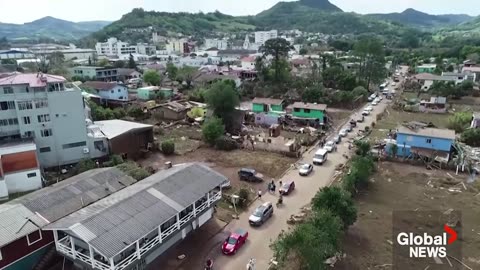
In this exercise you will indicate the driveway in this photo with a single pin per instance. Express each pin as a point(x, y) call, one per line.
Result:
point(257, 246)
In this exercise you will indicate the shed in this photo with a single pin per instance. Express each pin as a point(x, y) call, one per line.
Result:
point(170, 111)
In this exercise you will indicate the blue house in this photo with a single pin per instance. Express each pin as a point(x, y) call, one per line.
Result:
point(427, 142)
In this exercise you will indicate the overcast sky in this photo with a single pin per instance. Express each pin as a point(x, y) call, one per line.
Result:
point(20, 11)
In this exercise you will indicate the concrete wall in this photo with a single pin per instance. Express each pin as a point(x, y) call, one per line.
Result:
point(20, 182)
point(312, 114)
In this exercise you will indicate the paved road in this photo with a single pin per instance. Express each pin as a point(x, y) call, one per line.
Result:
point(259, 238)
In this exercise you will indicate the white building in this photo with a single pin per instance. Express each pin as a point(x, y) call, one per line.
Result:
point(19, 167)
point(41, 107)
point(248, 62)
point(220, 44)
point(114, 46)
point(262, 36)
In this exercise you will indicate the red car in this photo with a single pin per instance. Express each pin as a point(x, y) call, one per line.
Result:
point(287, 188)
point(234, 242)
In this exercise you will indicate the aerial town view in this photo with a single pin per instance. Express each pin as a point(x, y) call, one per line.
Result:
point(231, 135)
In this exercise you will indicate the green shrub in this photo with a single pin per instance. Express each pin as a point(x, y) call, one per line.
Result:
point(85, 165)
point(135, 112)
point(243, 195)
point(212, 129)
point(136, 172)
point(168, 147)
point(339, 202)
point(471, 137)
point(119, 113)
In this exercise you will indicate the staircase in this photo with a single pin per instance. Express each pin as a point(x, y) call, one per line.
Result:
point(46, 260)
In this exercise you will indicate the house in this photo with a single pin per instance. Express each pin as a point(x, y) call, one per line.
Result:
point(19, 168)
point(221, 44)
point(23, 242)
point(308, 111)
point(125, 74)
point(43, 108)
point(472, 70)
point(109, 91)
point(434, 105)
point(237, 53)
point(206, 79)
point(125, 138)
point(248, 62)
point(16, 54)
point(426, 80)
point(262, 36)
point(268, 105)
point(459, 77)
point(425, 68)
point(426, 142)
point(134, 226)
point(475, 120)
point(96, 73)
point(152, 92)
point(170, 111)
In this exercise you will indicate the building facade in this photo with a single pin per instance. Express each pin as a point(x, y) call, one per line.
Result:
point(262, 36)
point(308, 111)
point(113, 46)
point(220, 44)
point(176, 46)
point(425, 141)
point(108, 90)
point(134, 226)
point(43, 108)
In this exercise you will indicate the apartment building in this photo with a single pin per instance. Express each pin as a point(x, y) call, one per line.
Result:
point(262, 36)
point(41, 107)
point(220, 44)
point(176, 46)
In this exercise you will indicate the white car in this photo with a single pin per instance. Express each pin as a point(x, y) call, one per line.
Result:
point(343, 133)
point(375, 102)
point(393, 83)
point(368, 108)
point(329, 146)
point(365, 112)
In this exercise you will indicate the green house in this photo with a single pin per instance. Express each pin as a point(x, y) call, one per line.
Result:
point(151, 92)
point(426, 68)
point(308, 111)
point(268, 105)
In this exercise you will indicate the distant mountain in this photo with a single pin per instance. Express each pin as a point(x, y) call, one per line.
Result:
point(324, 5)
point(417, 18)
point(50, 27)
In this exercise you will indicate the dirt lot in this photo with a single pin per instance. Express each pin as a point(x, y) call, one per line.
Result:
point(404, 187)
point(392, 118)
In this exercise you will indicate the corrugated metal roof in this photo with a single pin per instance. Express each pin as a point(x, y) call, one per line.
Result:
point(114, 128)
point(428, 132)
point(54, 202)
point(124, 217)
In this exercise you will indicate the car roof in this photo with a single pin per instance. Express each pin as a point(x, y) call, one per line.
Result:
point(247, 170)
point(321, 151)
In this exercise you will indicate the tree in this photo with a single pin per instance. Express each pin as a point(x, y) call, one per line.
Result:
point(152, 77)
point(172, 71)
point(459, 121)
point(119, 64)
point(360, 170)
point(186, 74)
point(222, 98)
point(119, 113)
point(135, 112)
point(212, 129)
point(303, 51)
point(278, 48)
point(168, 147)
point(360, 91)
point(312, 242)
point(371, 56)
point(338, 202)
point(131, 62)
point(312, 94)
point(363, 148)
point(103, 62)
point(471, 137)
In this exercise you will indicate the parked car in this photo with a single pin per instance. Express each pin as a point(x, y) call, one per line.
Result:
point(320, 156)
point(348, 128)
point(261, 214)
point(368, 108)
point(361, 118)
point(305, 169)
point(250, 175)
point(330, 146)
point(365, 112)
point(287, 188)
point(353, 123)
point(234, 242)
point(337, 139)
point(343, 133)
point(375, 102)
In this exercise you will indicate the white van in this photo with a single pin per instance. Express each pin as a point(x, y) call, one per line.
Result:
point(320, 156)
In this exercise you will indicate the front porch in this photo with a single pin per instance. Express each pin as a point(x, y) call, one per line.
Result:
point(134, 253)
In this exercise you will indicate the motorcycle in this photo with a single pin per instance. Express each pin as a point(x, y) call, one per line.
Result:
point(209, 264)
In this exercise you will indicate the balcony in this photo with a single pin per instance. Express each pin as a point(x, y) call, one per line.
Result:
point(136, 250)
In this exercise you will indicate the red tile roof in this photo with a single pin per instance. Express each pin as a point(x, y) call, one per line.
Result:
point(249, 59)
point(32, 79)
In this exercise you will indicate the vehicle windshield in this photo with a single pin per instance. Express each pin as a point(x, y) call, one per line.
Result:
point(286, 186)
point(318, 156)
point(329, 143)
point(259, 211)
point(231, 240)
point(305, 166)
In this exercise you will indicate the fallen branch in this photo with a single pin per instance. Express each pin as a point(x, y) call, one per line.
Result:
point(466, 266)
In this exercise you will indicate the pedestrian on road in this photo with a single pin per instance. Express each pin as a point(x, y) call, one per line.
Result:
point(280, 185)
point(259, 194)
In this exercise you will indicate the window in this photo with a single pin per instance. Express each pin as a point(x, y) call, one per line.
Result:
point(26, 120)
point(119, 90)
point(296, 109)
point(34, 237)
point(3, 122)
point(30, 175)
point(306, 110)
point(43, 118)
point(99, 145)
point(25, 105)
point(41, 103)
point(73, 145)
point(111, 91)
point(29, 134)
point(46, 132)
point(429, 140)
point(44, 149)
point(7, 105)
point(7, 90)
point(13, 121)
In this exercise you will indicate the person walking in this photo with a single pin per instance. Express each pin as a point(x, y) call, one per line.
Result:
point(259, 194)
